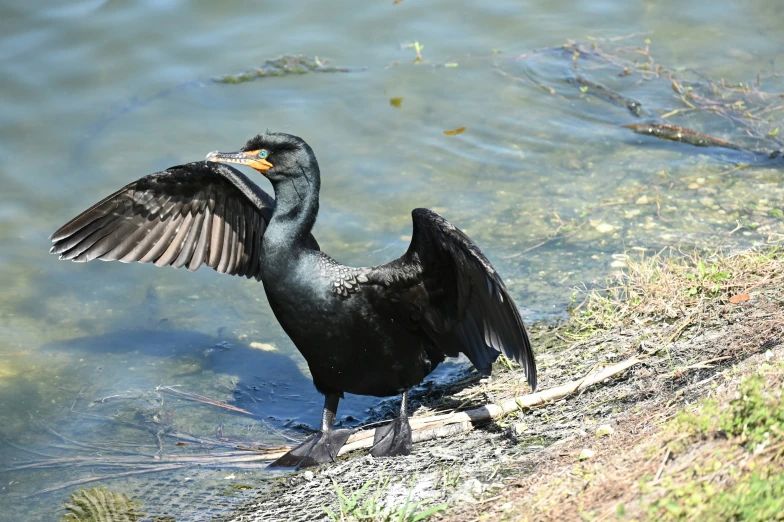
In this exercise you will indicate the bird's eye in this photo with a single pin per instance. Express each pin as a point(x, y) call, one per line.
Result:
point(263, 153)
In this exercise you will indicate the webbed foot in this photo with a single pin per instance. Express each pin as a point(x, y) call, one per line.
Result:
point(319, 448)
point(393, 439)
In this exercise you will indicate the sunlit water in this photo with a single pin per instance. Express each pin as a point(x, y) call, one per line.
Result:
point(98, 93)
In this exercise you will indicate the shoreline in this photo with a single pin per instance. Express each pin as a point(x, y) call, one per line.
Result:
point(692, 324)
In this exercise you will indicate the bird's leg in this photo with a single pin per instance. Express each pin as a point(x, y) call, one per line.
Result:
point(320, 447)
point(394, 438)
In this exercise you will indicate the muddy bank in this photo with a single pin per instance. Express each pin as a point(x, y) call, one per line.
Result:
point(689, 319)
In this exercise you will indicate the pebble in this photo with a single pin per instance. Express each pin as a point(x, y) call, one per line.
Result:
point(586, 453)
point(266, 347)
point(642, 200)
point(604, 228)
point(604, 430)
point(517, 429)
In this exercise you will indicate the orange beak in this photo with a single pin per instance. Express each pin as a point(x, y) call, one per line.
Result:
point(249, 158)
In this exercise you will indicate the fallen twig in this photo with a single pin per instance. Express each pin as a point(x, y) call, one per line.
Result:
point(437, 426)
point(103, 477)
point(703, 365)
point(195, 397)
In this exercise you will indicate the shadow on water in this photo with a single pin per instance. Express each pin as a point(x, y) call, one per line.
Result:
point(270, 385)
point(123, 401)
point(263, 378)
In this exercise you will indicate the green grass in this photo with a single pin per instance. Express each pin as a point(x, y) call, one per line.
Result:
point(750, 422)
point(777, 213)
point(755, 416)
point(361, 505)
point(758, 496)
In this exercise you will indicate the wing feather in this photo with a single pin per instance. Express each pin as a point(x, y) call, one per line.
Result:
point(467, 307)
point(189, 245)
point(186, 216)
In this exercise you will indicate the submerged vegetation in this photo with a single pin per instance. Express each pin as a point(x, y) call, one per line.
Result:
point(283, 66)
point(101, 505)
point(744, 110)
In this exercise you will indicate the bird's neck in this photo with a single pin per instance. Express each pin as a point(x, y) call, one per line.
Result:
point(296, 208)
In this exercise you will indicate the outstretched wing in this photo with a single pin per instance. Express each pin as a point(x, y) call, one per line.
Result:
point(467, 307)
point(189, 215)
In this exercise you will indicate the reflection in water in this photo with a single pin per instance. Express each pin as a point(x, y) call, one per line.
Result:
point(550, 187)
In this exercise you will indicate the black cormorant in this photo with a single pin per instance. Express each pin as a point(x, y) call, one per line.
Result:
point(369, 331)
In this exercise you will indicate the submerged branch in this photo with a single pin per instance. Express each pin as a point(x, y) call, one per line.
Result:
point(105, 477)
point(285, 65)
point(195, 397)
point(601, 91)
point(680, 134)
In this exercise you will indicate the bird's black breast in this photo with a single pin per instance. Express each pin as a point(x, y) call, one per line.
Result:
point(357, 337)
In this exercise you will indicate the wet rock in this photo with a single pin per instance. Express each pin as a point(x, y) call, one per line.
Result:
point(604, 228)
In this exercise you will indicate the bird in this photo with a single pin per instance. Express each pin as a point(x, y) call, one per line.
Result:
point(376, 331)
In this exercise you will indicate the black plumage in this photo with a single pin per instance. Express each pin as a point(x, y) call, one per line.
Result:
point(189, 215)
point(369, 331)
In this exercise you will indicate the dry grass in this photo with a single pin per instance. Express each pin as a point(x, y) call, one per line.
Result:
point(654, 470)
point(680, 313)
point(675, 285)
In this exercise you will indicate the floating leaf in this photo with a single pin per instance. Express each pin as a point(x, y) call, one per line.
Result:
point(417, 47)
point(454, 132)
point(395, 102)
point(739, 298)
point(454, 64)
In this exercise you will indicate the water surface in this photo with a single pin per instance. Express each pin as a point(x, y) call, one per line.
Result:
point(98, 93)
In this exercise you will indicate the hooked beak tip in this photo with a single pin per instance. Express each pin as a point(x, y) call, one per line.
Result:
point(211, 156)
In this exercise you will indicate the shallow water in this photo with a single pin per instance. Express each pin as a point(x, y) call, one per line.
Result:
point(98, 93)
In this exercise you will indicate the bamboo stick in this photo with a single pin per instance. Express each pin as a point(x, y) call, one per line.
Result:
point(437, 426)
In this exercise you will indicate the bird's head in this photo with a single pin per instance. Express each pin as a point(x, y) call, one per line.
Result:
point(276, 155)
